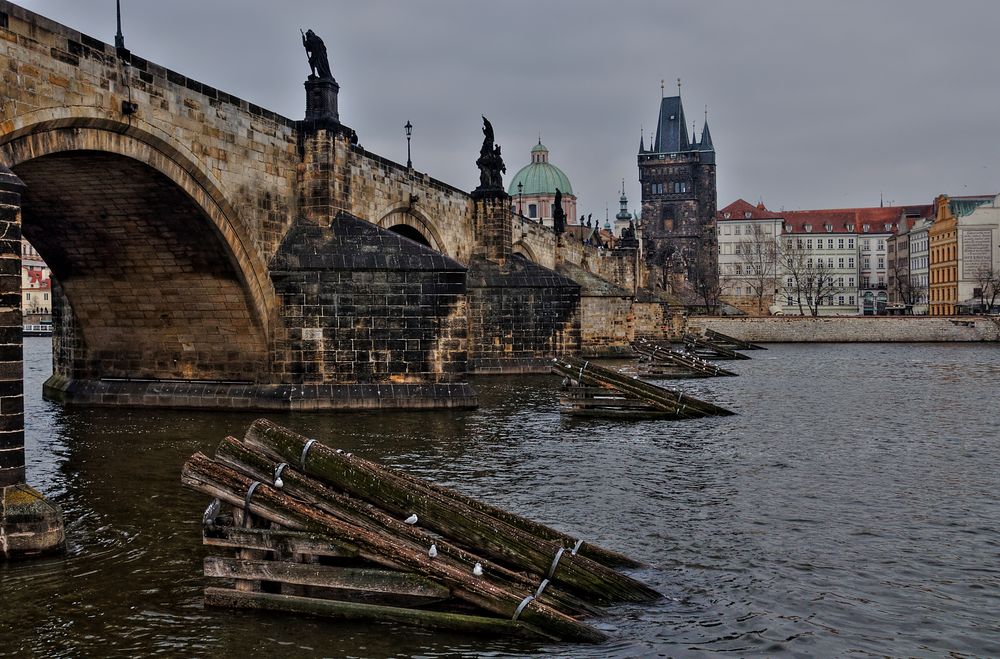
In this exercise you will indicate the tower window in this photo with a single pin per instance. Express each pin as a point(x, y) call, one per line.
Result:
point(533, 210)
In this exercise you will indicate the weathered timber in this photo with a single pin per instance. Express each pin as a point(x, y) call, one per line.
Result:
point(281, 541)
point(730, 341)
point(449, 517)
point(597, 553)
point(658, 353)
point(706, 348)
point(668, 400)
point(209, 477)
point(386, 582)
point(607, 403)
point(469, 624)
point(254, 463)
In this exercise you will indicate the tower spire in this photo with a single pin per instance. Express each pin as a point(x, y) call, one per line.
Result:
point(119, 37)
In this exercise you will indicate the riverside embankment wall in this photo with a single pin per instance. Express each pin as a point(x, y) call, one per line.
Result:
point(796, 329)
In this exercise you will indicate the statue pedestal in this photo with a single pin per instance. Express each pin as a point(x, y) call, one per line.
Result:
point(321, 100)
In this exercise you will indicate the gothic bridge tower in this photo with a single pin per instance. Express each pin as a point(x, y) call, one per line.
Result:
point(677, 177)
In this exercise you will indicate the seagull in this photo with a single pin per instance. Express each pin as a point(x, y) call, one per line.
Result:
point(412, 519)
point(478, 570)
point(433, 552)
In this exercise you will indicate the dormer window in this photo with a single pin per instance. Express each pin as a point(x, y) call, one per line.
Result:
point(888, 226)
point(808, 228)
point(866, 228)
point(828, 227)
point(747, 214)
point(726, 215)
point(850, 228)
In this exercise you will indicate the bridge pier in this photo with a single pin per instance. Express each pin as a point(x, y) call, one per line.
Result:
point(29, 525)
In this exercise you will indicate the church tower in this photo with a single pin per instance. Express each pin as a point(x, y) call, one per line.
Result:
point(677, 177)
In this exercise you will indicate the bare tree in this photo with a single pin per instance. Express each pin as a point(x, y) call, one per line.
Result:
point(758, 260)
point(704, 268)
point(904, 285)
point(807, 280)
point(987, 287)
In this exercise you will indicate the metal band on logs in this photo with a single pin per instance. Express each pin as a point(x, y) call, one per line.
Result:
point(541, 587)
point(555, 562)
point(520, 607)
point(246, 502)
point(305, 451)
point(580, 378)
point(576, 547)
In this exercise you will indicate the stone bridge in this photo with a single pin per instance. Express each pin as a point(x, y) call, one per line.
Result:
point(208, 252)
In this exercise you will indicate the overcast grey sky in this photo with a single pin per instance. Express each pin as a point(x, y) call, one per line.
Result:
point(811, 104)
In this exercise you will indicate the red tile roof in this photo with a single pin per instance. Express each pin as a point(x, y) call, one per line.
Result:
point(839, 219)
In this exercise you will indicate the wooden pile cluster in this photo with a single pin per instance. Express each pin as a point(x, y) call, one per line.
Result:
point(591, 390)
point(301, 527)
point(659, 360)
point(730, 341)
point(708, 349)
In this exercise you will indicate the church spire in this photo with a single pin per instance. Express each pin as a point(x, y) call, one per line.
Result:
point(642, 140)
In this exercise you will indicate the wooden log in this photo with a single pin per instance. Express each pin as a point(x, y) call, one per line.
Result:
point(661, 353)
point(209, 477)
point(672, 401)
point(731, 341)
point(279, 541)
point(386, 582)
point(455, 622)
point(257, 465)
point(698, 343)
point(449, 517)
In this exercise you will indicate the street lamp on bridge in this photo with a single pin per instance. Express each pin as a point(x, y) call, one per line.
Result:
point(409, 131)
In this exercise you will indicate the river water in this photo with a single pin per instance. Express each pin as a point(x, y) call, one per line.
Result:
point(849, 508)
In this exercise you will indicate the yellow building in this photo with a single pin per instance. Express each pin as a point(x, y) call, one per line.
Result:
point(943, 239)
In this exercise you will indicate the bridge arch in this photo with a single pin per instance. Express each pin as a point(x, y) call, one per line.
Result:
point(160, 273)
point(520, 247)
point(411, 222)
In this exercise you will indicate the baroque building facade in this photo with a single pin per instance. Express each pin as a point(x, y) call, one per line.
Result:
point(677, 179)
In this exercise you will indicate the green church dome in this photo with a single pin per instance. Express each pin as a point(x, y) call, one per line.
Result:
point(540, 177)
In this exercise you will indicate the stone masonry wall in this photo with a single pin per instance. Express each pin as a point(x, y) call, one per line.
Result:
point(853, 329)
point(51, 73)
point(363, 305)
point(520, 316)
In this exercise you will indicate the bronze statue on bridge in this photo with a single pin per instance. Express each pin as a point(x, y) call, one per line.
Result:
point(490, 162)
point(316, 51)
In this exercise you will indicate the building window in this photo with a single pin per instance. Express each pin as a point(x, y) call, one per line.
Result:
point(840, 300)
point(809, 243)
point(850, 300)
point(840, 262)
point(881, 262)
point(532, 210)
point(850, 262)
point(840, 282)
point(736, 231)
point(27, 296)
point(829, 263)
point(45, 297)
point(850, 243)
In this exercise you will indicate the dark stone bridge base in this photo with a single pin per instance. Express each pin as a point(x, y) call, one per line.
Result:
point(259, 397)
point(29, 525)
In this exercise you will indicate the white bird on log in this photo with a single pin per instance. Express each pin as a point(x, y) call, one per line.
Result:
point(433, 552)
point(478, 570)
point(412, 519)
point(278, 483)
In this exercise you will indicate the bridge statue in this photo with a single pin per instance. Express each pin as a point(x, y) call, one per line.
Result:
point(490, 162)
point(316, 50)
